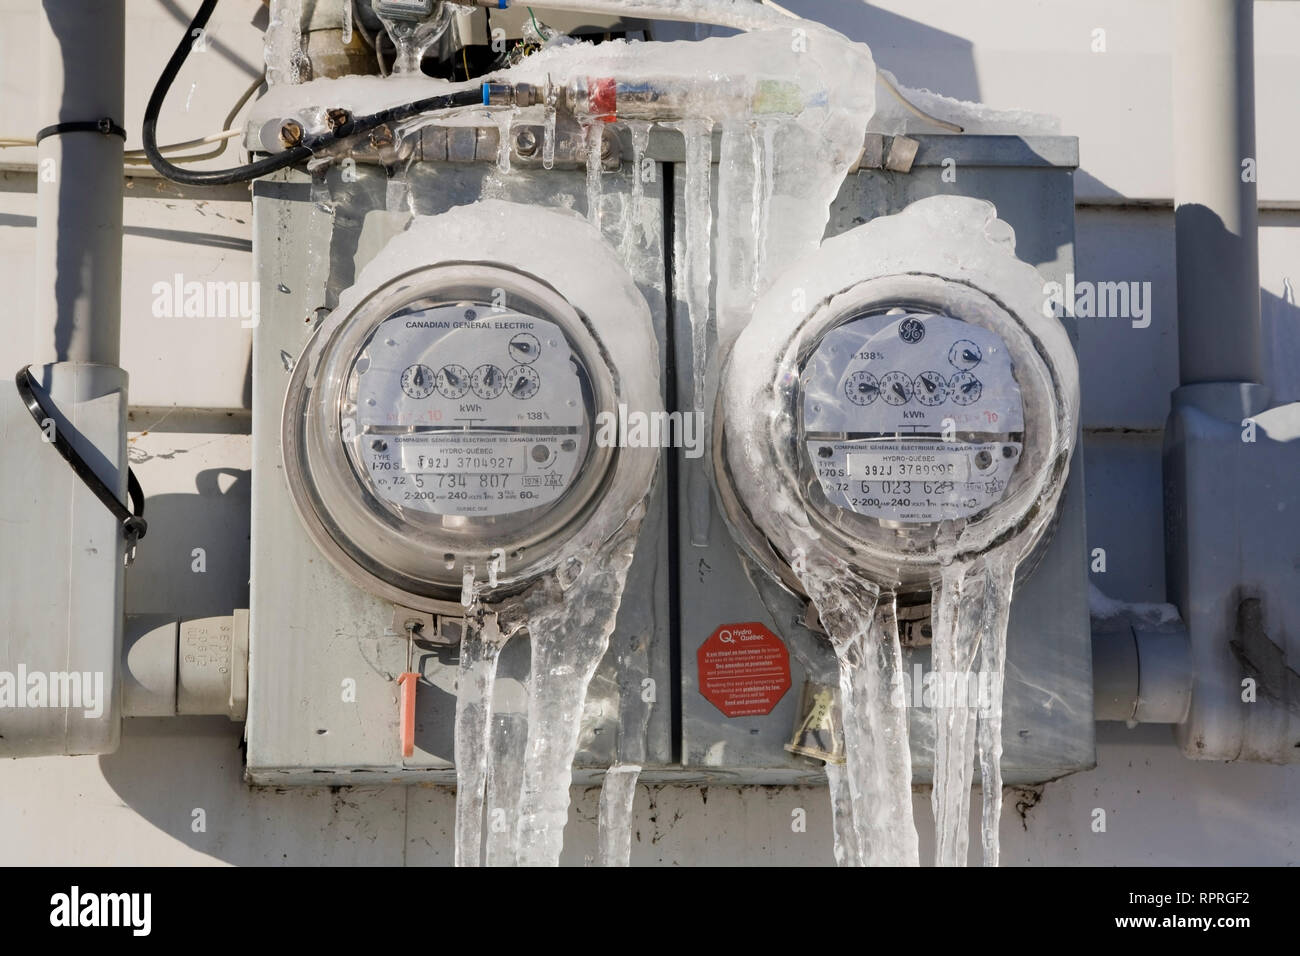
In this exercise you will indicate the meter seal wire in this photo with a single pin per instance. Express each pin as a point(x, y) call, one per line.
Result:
point(133, 523)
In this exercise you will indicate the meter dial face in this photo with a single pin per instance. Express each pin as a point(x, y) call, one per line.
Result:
point(419, 381)
point(946, 437)
point(930, 388)
point(453, 381)
point(486, 443)
point(524, 348)
point(862, 388)
point(964, 355)
point(966, 389)
point(896, 388)
point(488, 382)
point(524, 382)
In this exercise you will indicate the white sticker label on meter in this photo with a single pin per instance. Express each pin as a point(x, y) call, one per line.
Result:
point(898, 461)
point(914, 481)
point(885, 399)
point(463, 410)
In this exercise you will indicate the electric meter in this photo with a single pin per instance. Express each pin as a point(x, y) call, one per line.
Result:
point(920, 410)
point(443, 419)
point(909, 418)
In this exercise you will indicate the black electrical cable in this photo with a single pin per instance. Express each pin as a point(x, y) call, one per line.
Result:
point(132, 521)
point(292, 155)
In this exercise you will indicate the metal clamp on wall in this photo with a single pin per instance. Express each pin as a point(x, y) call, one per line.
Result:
point(107, 126)
point(133, 523)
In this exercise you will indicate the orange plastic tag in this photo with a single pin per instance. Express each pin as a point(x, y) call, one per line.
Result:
point(406, 718)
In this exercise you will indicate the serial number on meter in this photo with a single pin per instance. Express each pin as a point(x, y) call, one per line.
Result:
point(460, 463)
point(954, 466)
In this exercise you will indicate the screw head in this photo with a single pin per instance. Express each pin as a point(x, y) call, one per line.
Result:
point(337, 118)
point(526, 142)
point(291, 133)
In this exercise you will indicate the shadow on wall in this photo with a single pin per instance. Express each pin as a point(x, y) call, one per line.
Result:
point(921, 56)
point(194, 562)
point(205, 804)
point(259, 21)
point(1124, 365)
point(918, 54)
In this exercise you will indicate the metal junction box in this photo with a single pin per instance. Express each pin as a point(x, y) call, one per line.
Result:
point(324, 654)
point(1048, 710)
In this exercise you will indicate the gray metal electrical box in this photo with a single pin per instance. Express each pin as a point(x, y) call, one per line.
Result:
point(323, 702)
point(324, 654)
point(1048, 716)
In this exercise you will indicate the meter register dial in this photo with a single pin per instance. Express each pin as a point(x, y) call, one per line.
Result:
point(504, 438)
point(901, 459)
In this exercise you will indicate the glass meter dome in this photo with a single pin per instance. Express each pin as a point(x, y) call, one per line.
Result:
point(921, 410)
point(445, 419)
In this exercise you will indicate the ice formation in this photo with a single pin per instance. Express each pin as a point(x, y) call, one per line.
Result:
point(969, 564)
point(789, 105)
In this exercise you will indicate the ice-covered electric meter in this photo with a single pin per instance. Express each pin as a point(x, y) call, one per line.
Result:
point(919, 407)
point(884, 398)
point(444, 417)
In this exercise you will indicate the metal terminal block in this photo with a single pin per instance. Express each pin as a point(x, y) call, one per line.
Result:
point(461, 144)
point(914, 628)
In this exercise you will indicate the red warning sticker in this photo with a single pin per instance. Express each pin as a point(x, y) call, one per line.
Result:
point(744, 669)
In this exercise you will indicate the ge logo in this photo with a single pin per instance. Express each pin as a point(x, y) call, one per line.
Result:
point(911, 331)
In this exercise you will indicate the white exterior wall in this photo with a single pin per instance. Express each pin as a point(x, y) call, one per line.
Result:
point(137, 805)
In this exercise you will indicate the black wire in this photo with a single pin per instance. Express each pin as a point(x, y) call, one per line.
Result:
point(295, 154)
point(149, 134)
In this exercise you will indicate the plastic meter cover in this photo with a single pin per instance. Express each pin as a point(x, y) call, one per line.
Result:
point(911, 418)
point(470, 410)
point(920, 409)
point(443, 418)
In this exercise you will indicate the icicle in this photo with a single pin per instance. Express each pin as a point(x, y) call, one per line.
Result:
point(877, 750)
point(467, 587)
point(480, 649)
point(283, 47)
point(739, 194)
point(347, 22)
point(548, 139)
point(320, 235)
point(505, 123)
point(764, 148)
point(993, 666)
point(505, 780)
point(614, 829)
point(595, 169)
point(695, 267)
point(845, 833)
point(398, 196)
point(951, 630)
point(972, 609)
point(640, 131)
point(569, 630)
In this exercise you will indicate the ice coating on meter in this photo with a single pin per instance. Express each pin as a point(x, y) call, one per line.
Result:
point(911, 417)
point(467, 410)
